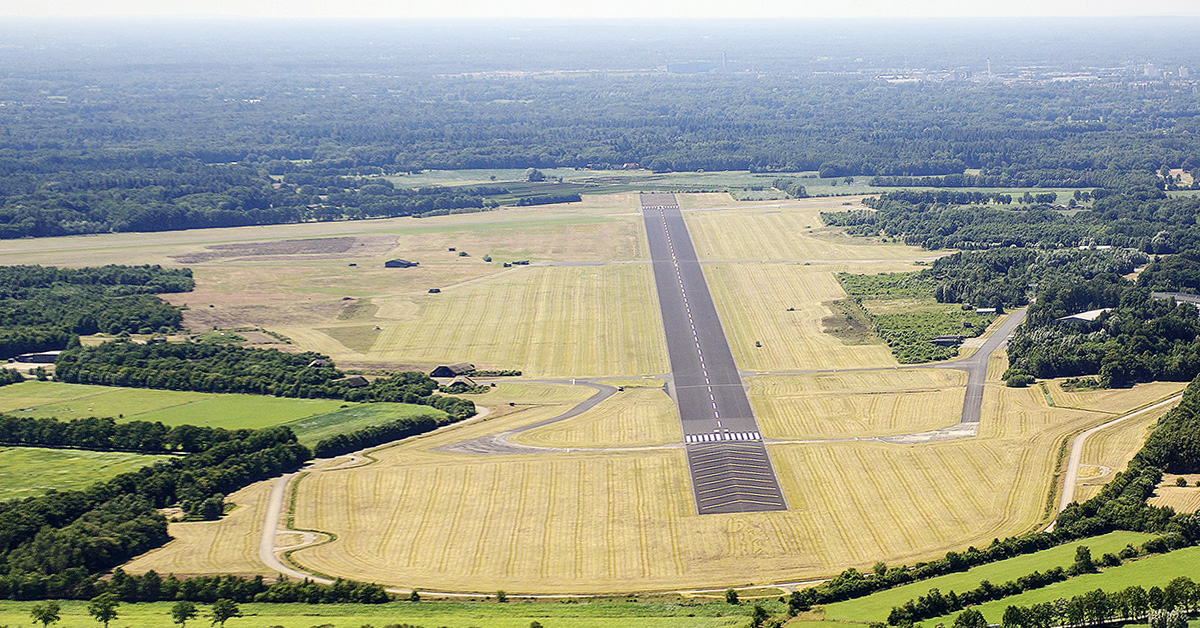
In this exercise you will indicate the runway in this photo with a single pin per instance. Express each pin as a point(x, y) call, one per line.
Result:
point(730, 468)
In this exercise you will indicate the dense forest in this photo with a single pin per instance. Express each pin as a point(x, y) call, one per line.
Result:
point(202, 136)
point(44, 308)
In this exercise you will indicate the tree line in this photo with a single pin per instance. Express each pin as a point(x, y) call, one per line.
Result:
point(106, 434)
point(223, 368)
point(1162, 607)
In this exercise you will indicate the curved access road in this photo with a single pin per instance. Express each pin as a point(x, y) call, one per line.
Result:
point(1071, 478)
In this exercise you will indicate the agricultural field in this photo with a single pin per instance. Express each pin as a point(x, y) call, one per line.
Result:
point(1147, 572)
point(71, 401)
point(229, 545)
point(31, 471)
point(1108, 451)
point(601, 614)
point(872, 403)
point(875, 607)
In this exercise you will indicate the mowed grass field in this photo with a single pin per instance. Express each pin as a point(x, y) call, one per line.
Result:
point(229, 545)
point(1181, 498)
point(753, 301)
point(1147, 572)
point(633, 417)
point(863, 404)
point(605, 614)
point(70, 401)
point(875, 607)
point(1108, 451)
point(624, 520)
point(31, 471)
point(786, 231)
point(561, 321)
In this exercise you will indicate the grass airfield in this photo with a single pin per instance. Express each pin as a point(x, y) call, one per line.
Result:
point(615, 513)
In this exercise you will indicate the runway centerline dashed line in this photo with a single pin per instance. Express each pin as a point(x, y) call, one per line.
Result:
point(731, 470)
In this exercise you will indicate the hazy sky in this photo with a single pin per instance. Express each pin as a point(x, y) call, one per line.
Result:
point(594, 8)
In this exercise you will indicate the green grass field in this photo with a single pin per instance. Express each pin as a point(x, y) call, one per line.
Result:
point(425, 614)
point(70, 401)
point(877, 606)
point(30, 471)
point(311, 430)
point(1152, 571)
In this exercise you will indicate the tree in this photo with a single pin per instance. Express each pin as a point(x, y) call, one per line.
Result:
point(501, 596)
point(731, 597)
point(1014, 617)
point(182, 611)
point(758, 616)
point(970, 618)
point(223, 610)
point(1083, 561)
point(414, 597)
point(103, 608)
point(45, 614)
point(533, 175)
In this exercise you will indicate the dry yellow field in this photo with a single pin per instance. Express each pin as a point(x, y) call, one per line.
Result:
point(634, 417)
point(785, 230)
point(212, 547)
point(863, 404)
point(1100, 400)
point(561, 321)
point(1181, 498)
point(624, 520)
point(752, 300)
point(1111, 449)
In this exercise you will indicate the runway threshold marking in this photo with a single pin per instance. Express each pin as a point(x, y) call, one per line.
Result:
point(731, 471)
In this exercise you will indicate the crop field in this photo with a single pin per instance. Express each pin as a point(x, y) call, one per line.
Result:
point(229, 545)
point(70, 401)
point(834, 405)
point(31, 471)
point(753, 301)
point(1150, 571)
point(600, 614)
point(875, 607)
point(635, 417)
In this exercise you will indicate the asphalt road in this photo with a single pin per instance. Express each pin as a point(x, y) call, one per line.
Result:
point(730, 469)
point(976, 365)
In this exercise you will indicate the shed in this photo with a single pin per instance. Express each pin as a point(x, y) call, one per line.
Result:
point(465, 381)
point(41, 357)
point(318, 363)
point(400, 263)
point(948, 341)
point(452, 370)
point(985, 310)
point(353, 381)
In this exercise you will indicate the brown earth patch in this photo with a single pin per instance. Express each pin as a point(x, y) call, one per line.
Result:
point(848, 323)
point(315, 248)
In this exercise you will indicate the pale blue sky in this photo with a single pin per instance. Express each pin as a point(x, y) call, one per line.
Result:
point(593, 8)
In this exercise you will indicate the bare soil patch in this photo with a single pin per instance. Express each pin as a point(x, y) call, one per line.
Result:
point(315, 248)
point(848, 323)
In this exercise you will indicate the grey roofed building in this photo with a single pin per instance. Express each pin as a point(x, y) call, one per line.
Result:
point(400, 263)
point(353, 381)
point(452, 370)
point(1084, 317)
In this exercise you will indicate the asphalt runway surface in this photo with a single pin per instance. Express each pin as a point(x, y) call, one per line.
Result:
point(976, 366)
point(730, 468)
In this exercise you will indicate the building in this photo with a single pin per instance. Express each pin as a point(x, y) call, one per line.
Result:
point(318, 363)
point(41, 357)
point(1089, 316)
point(452, 370)
point(353, 381)
point(948, 341)
point(985, 310)
point(400, 263)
